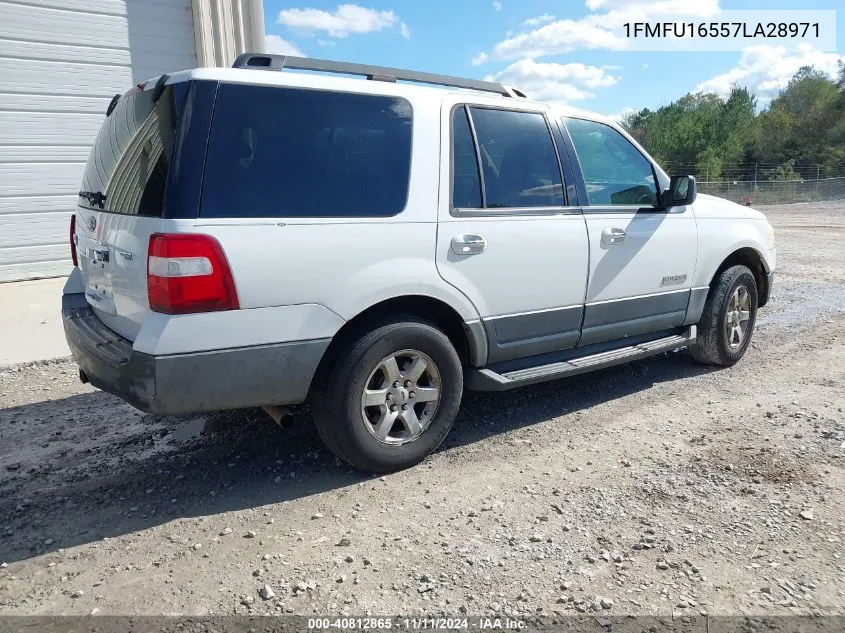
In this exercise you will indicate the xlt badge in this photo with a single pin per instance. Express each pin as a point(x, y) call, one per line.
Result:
point(672, 280)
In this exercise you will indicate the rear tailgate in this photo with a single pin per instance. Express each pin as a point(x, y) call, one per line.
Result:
point(121, 203)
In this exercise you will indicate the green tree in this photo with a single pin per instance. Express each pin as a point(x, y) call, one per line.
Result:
point(802, 132)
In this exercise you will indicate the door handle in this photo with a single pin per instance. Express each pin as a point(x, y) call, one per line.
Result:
point(612, 235)
point(100, 255)
point(469, 244)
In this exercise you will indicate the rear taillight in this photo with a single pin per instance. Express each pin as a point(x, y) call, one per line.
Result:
point(188, 273)
point(73, 240)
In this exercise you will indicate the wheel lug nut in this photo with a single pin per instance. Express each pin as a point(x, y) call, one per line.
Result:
point(396, 385)
point(389, 396)
point(407, 383)
point(412, 395)
point(393, 407)
point(404, 407)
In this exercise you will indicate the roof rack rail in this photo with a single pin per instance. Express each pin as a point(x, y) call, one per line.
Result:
point(264, 61)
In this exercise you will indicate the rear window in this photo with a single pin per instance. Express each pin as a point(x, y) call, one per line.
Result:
point(128, 165)
point(281, 152)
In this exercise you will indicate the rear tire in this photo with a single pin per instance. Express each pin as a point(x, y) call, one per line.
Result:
point(727, 322)
point(391, 396)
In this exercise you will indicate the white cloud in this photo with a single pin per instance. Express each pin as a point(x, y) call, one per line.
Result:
point(765, 70)
point(562, 36)
point(702, 8)
point(278, 46)
point(618, 116)
point(346, 19)
point(479, 59)
point(497, 6)
point(326, 42)
point(540, 19)
point(404, 31)
point(552, 82)
point(555, 37)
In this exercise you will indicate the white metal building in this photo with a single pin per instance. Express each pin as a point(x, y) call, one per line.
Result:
point(61, 62)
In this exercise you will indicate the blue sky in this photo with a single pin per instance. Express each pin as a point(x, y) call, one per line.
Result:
point(551, 49)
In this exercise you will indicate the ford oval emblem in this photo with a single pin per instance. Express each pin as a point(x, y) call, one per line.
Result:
point(92, 223)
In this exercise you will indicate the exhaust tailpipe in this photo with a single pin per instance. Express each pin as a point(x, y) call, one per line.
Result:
point(281, 415)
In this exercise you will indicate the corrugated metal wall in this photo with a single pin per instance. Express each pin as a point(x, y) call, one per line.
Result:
point(61, 61)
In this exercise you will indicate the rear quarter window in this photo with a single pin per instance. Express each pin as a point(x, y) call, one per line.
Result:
point(283, 152)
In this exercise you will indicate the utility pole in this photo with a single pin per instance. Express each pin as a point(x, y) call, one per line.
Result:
point(755, 176)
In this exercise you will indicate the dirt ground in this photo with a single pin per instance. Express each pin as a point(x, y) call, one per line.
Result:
point(654, 488)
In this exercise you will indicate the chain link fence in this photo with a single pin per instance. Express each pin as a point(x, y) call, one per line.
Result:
point(775, 191)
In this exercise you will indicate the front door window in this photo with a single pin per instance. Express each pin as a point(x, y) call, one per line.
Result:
point(615, 171)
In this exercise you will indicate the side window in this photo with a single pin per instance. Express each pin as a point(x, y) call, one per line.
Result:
point(466, 183)
point(518, 158)
point(282, 152)
point(616, 173)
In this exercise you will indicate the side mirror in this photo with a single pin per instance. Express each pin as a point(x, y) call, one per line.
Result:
point(681, 192)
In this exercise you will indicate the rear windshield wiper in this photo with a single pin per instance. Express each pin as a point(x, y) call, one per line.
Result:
point(94, 198)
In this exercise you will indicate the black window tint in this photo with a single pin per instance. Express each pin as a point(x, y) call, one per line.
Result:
point(615, 171)
point(184, 183)
point(518, 158)
point(466, 183)
point(282, 152)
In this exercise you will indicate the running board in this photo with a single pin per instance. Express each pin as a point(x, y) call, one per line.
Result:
point(489, 380)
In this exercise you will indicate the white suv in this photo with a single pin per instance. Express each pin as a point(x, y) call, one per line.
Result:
point(247, 237)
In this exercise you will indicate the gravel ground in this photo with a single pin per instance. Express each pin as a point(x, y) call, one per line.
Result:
point(654, 488)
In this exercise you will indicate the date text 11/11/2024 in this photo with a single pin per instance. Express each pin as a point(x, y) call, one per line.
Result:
point(745, 30)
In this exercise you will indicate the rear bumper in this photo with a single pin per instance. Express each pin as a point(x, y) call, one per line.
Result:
point(279, 373)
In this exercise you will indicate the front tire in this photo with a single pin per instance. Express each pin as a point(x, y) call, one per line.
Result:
point(391, 397)
point(727, 322)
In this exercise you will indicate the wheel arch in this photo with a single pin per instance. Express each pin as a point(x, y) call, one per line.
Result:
point(751, 258)
point(469, 338)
